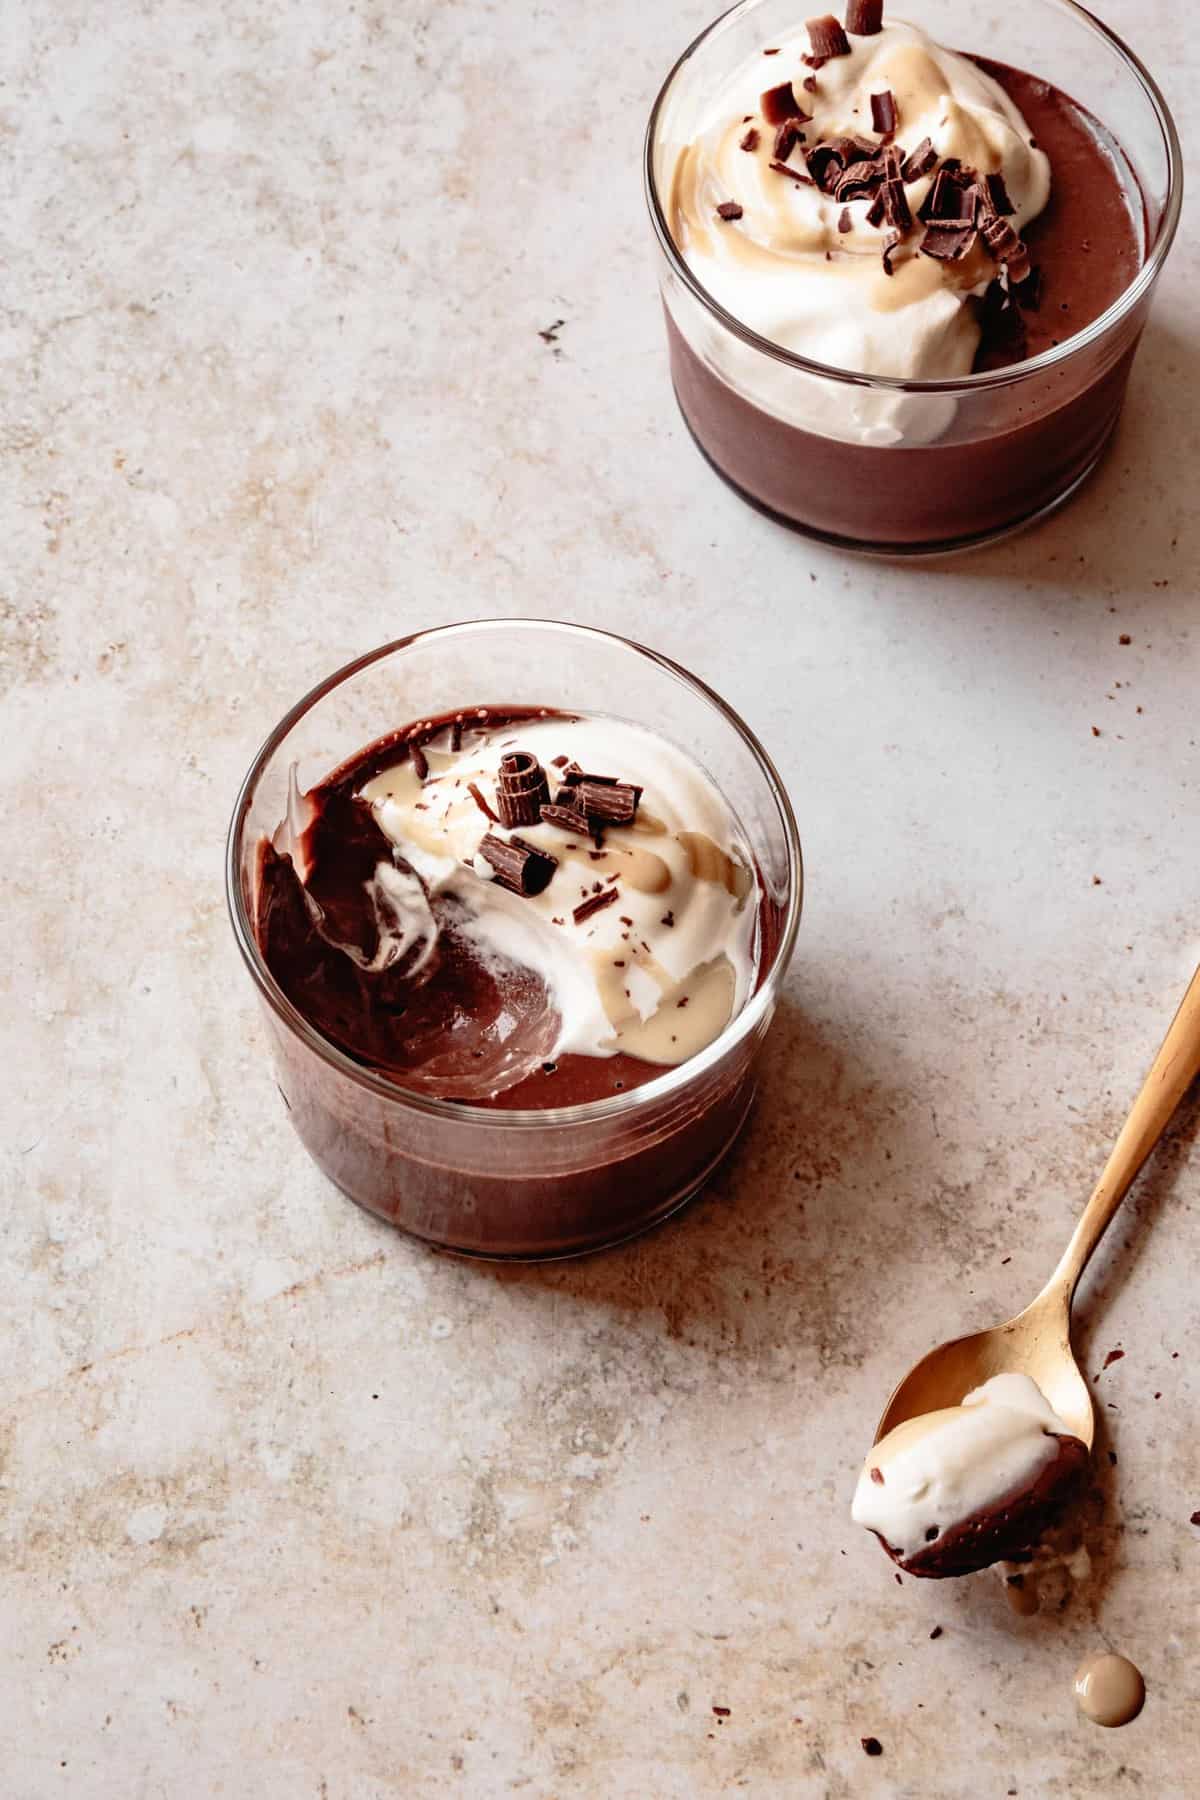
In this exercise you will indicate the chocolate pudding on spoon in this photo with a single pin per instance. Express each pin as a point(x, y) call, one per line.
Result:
point(954, 1485)
point(879, 251)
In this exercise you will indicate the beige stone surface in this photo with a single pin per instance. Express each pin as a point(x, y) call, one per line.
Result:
point(293, 1507)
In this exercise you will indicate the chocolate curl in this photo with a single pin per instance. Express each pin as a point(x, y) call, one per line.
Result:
point(520, 867)
point(864, 17)
point(919, 161)
point(521, 789)
point(786, 139)
point(889, 250)
point(947, 240)
point(609, 803)
point(883, 113)
point(780, 103)
point(997, 194)
point(418, 758)
point(567, 818)
point(826, 37)
point(952, 196)
point(593, 904)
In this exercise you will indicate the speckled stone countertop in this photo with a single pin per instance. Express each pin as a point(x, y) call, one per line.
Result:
point(293, 1507)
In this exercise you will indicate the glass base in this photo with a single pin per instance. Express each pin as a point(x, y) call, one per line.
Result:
point(667, 1210)
point(910, 552)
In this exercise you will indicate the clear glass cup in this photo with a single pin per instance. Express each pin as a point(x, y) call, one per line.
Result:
point(501, 1183)
point(972, 458)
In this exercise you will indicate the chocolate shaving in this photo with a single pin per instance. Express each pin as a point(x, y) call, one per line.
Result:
point(895, 200)
point(729, 209)
point(796, 174)
point(890, 247)
point(786, 139)
point(845, 222)
point(456, 734)
point(1028, 292)
point(521, 789)
point(827, 37)
point(420, 761)
point(567, 818)
point(997, 193)
point(520, 867)
point(614, 803)
point(751, 139)
point(780, 103)
point(952, 196)
point(883, 113)
point(809, 84)
point(875, 210)
point(480, 800)
point(918, 162)
point(860, 179)
point(1004, 246)
point(593, 904)
point(947, 240)
point(864, 17)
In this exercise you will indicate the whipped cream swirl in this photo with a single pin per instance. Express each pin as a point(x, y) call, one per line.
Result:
point(805, 270)
point(659, 972)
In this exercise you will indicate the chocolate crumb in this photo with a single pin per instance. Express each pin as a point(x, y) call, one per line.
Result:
point(899, 1583)
point(682, 1003)
point(845, 222)
point(827, 37)
point(729, 209)
point(809, 84)
point(935, 1633)
point(722, 1712)
point(625, 921)
point(864, 17)
point(1113, 1355)
point(751, 139)
point(877, 1476)
point(1112, 1457)
point(550, 334)
point(931, 1534)
point(774, 52)
point(1095, 731)
point(420, 761)
point(668, 918)
point(593, 904)
point(456, 734)
point(872, 1745)
point(1096, 882)
point(1124, 638)
point(1195, 1518)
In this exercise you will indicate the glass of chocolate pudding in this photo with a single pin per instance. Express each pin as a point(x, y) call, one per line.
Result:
point(518, 898)
point(906, 257)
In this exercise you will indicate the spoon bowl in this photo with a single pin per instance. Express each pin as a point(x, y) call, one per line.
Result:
point(1037, 1342)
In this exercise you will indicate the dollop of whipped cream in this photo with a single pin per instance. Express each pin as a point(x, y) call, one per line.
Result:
point(659, 972)
point(942, 1468)
point(785, 269)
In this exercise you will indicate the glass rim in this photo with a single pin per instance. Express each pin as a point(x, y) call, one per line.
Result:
point(673, 1080)
point(1125, 302)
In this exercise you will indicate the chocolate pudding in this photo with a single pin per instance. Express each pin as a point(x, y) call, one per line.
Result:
point(512, 907)
point(878, 205)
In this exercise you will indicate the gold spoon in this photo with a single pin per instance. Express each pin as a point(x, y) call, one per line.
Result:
point(1038, 1341)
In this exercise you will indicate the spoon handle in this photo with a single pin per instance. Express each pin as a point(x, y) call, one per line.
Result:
point(1171, 1074)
